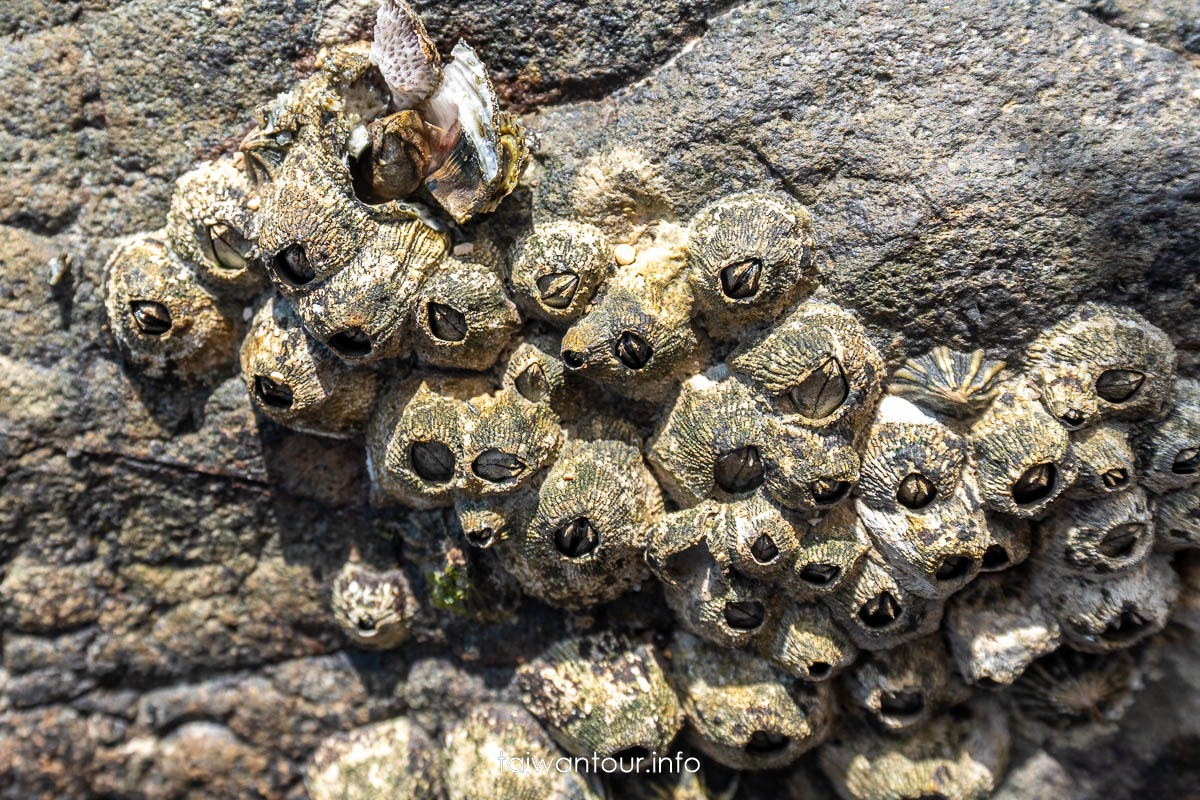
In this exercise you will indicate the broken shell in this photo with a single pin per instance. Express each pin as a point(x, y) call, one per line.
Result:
point(903, 687)
point(393, 759)
point(1068, 691)
point(557, 269)
point(462, 317)
point(407, 58)
point(1170, 450)
point(949, 382)
point(374, 607)
point(1105, 458)
point(1098, 537)
point(807, 644)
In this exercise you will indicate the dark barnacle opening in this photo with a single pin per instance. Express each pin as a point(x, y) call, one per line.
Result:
point(446, 322)
point(740, 281)
point(432, 461)
point(531, 383)
point(764, 549)
point(901, 704)
point(1072, 418)
point(880, 611)
point(995, 557)
point(365, 624)
point(351, 343)
point(828, 490)
point(954, 567)
point(576, 538)
point(1035, 484)
point(739, 470)
point(497, 466)
point(819, 670)
point(557, 289)
point(745, 615)
point(1187, 461)
point(767, 742)
point(150, 317)
point(822, 392)
point(224, 245)
point(1130, 625)
point(273, 393)
point(1120, 541)
point(292, 266)
point(1115, 478)
point(632, 350)
point(820, 574)
point(573, 359)
point(1119, 385)
point(916, 491)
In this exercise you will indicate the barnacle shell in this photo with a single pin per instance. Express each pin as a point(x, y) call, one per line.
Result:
point(1098, 537)
point(506, 442)
point(463, 318)
point(392, 759)
point(603, 694)
point(373, 607)
point(1102, 362)
point(535, 372)
point(753, 537)
point(720, 605)
point(829, 553)
point(476, 773)
point(949, 382)
point(298, 382)
point(808, 470)
point(1069, 690)
point(742, 712)
point(877, 611)
point(166, 322)
point(1009, 542)
point(807, 644)
point(1170, 450)
point(995, 629)
point(406, 56)
point(212, 228)
point(1023, 458)
point(392, 163)
point(749, 256)
point(1104, 455)
point(557, 269)
point(266, 146)
point(903, 687)
point(1177, 524)
point(960, 755)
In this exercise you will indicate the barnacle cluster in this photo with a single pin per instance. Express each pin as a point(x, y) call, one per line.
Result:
point(617, 399)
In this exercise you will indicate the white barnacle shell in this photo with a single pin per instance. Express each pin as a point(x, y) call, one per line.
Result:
point(406, 56)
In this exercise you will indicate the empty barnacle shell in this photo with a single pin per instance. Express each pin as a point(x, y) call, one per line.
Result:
point(211, 226)
point(557, 269)
point(476, 772)
point(900, 689)
point(604, 694)
point(807, 644)
point(995, 630)
point(750, 255)
point(165, 322)
point(462, 317)
point(877, 611)
point(1009, 541)
point(373, 607)
point(829, 553)
point(478, 152)
point(949, 382)
point(1023, 458)
point(1105, 458)
point(393, 759)
point(1177, 523)
point(583, 544)
point(406, 57)
point(1068, 691)
point(1170, 450)
point(298, 382)
point(807, 470)
point(817, 367)
point(1098, 616)
point(507, 441)
point(958, 755)
point(741, 711)
point(1098, 537)
point(1102, 362)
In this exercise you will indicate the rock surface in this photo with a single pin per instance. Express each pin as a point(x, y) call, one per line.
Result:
point(973, 171)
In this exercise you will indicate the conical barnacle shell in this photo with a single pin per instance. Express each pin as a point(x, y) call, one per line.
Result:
point(603, 694)
point(1099, 537)
point(478, 152)
point(902, 688)
point(1068, 692)
point(1119, 612)
point(1169, 452)
point(298, 382)
point(807, 644)
point(374, 607)
point(995, 629)
point(1177, 524)
point(750, 255)
point(506, 442)
point(1009, 541)
point(1022, 455)
point(166, 322)
point(266, 146)
point(212, 227)
point(393, 157)
point(1102, 362)
point(741, 711)
point(406, 56)
point(476, 773)
point(807, 470)
point(753, 537)
point(488, 519)
point(949, 382)
point(584, 542)
point(961, 754)
point(393, 759)
point(462, 317)
point(557, 269)
point(829, 553)
point(535, 372)
point(1105, 457)
point(816, 368)
point(877, 611)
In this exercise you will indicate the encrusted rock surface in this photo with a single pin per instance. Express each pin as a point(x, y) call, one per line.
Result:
point(973, 172)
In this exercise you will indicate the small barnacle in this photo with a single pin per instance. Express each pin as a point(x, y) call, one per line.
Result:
point(584, 542)
point(1009, 542)
point(266, 146)
point(903, 687)
point(807, 470)
point(877, 611)
point(949, 382)
point(709, 443)
point(392, 163)
point(1177, 524)
point(816, 368)
point(1098, 616)
point(749, 256)
point(166, 322)
point(603, 694)
point(1068, 691)
point(212, 228)
point(406, 57)
point(1098, 537)
point(506, 442)
point(995, 629)
point(1106, 461)
point(299, 383)
point(1170, 450)
point(917, 503)
point(1102, 362)
point(462, 317)
point(557, 269)
point(495, 750)
point(374, 607)
point(807, 644)
point(828, 553)
point(959, 755)
point(393, 759)
point(1023, 458)
point(753, 537)
point(492, 518)
point(741, 711)
point(534, 370)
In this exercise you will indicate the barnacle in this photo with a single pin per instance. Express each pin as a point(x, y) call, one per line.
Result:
point(1177, 520)
point(392, 163)
point(949, 382)
point(1009, 541)
point(1069, 689)
point(829, 553)
point(605, 694)
point(1104, 455)
point(806, 643)
point(741, 711)
point(877, 611)
point(749, 256)
point(753, 537)
point(808, 470)
point(1170, 450)
point(463, 318)
point(903, 687)
point(718, 604)
point(506, 442)
point(535, 371)
point(393, 759)
point(1098, 537)
point(374, 607)
point(557, 269)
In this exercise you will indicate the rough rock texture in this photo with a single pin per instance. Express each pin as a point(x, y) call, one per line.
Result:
point(973, 171)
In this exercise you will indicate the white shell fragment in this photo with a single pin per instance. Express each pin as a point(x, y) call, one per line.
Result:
point(405, 55)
